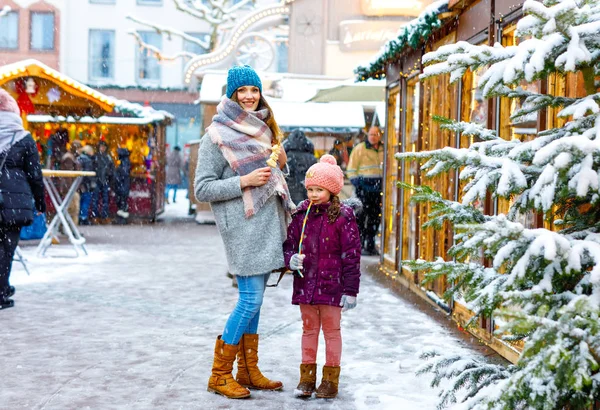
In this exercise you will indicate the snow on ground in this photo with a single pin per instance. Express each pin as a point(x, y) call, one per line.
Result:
point(133, 325)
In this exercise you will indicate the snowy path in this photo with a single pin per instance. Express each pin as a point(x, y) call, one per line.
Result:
point(133, 325)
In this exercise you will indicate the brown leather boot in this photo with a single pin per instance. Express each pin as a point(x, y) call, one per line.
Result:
point(248, 374)
point(308, 380)
point(329, 385)
point(221, 380)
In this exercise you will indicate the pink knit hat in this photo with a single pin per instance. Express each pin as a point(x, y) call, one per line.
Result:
point(326, 174)
point(7, 103)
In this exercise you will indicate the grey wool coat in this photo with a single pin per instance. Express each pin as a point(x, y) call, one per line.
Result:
point(254, 246)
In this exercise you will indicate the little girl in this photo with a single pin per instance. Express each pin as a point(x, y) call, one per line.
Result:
point(323, 250)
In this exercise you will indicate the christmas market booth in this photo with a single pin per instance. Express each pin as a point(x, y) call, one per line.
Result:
point(413, 106)
point(58, 110)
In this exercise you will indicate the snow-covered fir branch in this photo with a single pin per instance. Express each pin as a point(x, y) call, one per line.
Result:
point(543, 285)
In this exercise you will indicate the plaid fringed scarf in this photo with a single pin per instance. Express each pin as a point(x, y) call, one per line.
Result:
point(245, 141)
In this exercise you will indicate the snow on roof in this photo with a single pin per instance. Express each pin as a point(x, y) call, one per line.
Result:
point(105, 119)
point(32, 67)
point(333, 117)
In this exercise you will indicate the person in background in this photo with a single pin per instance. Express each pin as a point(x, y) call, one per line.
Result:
point(301, 156)
point(251, 204)
point(329, 262)
point(122, 182)
point(105, 171)
point(340, 153)
point(174, 168)
point(58, 147)
point(88, 184)
point(69, 162)
point(365, 171)
point(21, 185)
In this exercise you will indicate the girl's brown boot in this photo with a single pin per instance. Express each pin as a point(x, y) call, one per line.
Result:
point(329, 385)
point(248, 374)
point(308, 380)
point(221, 380)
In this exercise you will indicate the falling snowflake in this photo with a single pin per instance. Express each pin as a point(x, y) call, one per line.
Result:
point(53, 95)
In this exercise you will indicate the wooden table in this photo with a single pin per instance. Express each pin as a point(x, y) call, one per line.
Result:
point(62, 217)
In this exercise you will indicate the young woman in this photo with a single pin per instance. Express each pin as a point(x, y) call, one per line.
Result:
point(328, 272)
point(21, 186)
point(251, 204)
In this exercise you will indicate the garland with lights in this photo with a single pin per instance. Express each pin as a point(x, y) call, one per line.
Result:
point(412, 35)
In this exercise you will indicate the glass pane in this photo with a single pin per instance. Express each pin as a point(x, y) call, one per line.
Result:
point(148, 64)
point(194, 47)
point(391, 178)
point(411, 169)
point(9, 30)
point(102, 53)
point(42, 31)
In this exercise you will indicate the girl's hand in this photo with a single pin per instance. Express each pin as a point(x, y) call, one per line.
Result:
point(296, 261)
point(258, 177)
point(348, 302)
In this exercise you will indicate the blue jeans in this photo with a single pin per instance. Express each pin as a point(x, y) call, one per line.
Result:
point(84, 205)
point(101, 190)
point(174, 188)
point(245, 316)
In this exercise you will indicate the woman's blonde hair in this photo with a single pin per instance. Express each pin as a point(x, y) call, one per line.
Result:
point(262, 104)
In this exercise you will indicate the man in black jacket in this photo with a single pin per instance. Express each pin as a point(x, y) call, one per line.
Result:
point(301, 156)
point(105, 170)
point(21, 186)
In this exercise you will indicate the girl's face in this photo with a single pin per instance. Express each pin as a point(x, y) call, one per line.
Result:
point(248, 97)
point(318, 195)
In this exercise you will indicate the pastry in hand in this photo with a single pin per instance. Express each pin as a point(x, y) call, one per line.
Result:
point(272, 161)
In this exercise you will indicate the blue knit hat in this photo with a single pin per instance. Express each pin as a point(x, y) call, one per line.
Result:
point(239, 76)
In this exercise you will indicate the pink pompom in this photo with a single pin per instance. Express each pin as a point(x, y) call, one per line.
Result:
point(328, 159)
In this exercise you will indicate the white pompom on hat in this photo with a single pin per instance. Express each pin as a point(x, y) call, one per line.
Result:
point(326, 174)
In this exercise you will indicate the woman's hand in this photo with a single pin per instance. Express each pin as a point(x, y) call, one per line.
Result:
point(258, 177)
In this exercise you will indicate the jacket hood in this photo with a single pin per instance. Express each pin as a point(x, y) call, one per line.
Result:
point(351, 203)
point(297, 141)
point(123, 152)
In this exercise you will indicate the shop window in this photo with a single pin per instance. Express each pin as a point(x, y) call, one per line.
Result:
point(148, 66)
point(42, 31)
point(390, 208)
point(410, 171)
point(196, 48)
point(150, 2)
point(102, 54)
point(9, 31)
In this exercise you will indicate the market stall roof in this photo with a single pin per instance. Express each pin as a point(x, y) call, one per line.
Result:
point(56, 94)
point(325, 118)
point(371, 90)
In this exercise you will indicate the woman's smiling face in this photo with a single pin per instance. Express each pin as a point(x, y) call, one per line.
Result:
point(248, 97)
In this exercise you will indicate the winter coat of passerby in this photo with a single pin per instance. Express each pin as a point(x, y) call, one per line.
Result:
point(365, 171)
point(123, 182)
point(323, 249)
point(105, 171)
point(301, 156)
point(251, 204)
point(21, 188)
point(340, 153)
point(88, 184)
point(174, 169)
point(69, 162)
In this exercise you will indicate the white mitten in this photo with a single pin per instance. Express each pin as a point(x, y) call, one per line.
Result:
point(296, 261)
point(348, 302)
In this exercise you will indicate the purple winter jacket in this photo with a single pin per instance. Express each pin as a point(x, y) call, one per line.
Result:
point(332, 263)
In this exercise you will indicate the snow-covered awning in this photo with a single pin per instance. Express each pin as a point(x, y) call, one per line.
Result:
point(371, 90)
point(324, 118)
point(105, 119)
point(55, 93)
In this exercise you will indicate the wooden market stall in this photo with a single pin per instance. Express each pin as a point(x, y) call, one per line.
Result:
point(411, 107)
point(55, 105)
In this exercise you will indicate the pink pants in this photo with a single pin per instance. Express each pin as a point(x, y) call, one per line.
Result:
point(315, 317)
